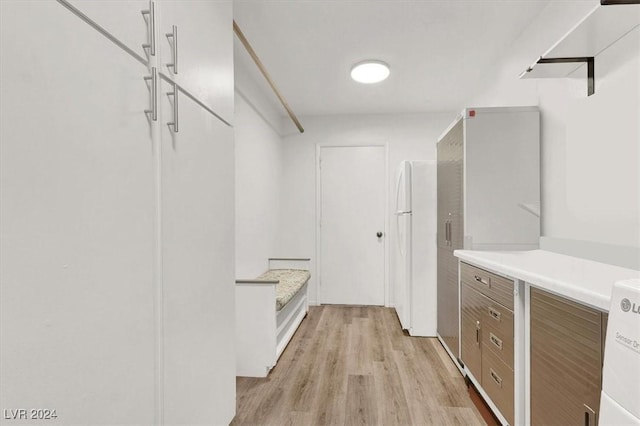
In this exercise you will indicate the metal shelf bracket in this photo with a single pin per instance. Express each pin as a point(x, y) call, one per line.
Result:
point(589, 60)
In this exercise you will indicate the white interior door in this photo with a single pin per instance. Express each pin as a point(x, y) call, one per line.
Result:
point(352, 214)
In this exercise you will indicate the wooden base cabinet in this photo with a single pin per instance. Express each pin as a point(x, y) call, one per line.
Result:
point(487, 334)
point(566, 361)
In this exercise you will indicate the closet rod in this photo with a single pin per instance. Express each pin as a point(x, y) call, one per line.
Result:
point(254, 56)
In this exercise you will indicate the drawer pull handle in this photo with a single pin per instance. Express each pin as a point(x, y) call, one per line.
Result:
point(495, 377)
point(495, 340)
point(589, 416)
point(481, 280)
point(494, 314)
point(477, 332)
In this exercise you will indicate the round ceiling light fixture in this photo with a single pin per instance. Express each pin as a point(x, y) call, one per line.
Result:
point(371, 71)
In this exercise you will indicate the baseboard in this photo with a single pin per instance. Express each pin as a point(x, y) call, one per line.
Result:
point(485, 411)
point(451, 355)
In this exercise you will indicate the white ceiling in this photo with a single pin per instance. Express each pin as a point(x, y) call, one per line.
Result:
point(438, 50)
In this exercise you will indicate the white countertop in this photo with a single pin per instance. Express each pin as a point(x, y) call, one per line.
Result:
point(581, 280)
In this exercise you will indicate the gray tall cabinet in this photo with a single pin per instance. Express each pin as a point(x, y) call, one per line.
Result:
point(488, 196)
point(450, 231)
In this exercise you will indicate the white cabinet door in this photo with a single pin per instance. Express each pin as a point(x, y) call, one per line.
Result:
point(204, 50)
point(76, 222)
point(197, 265)
point(123, 19)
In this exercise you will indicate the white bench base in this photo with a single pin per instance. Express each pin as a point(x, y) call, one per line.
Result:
point(262, 333)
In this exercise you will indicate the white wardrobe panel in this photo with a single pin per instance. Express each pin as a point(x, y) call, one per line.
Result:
point(121, 18)
point(197, 266)
point(76, 222)
point(204, 50)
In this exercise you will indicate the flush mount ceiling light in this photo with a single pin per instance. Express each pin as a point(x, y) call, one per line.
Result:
point(370, 72)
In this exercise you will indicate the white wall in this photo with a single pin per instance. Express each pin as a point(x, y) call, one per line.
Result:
point(409, 137)
point(590, 145)
point(258, 190)
point(259, 169)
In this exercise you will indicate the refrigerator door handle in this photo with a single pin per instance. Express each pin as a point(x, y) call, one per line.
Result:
point(399, 213)
point(398, 181)
point(399, 236)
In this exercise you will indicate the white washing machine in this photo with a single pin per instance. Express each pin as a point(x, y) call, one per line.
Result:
point(620, 398)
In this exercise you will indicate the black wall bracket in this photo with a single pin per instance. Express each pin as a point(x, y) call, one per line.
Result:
point(616, 2)
point(589, 60)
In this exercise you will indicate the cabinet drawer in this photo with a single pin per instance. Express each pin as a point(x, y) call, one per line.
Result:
point(497, 330)
point(497, 382)
point(494, 286)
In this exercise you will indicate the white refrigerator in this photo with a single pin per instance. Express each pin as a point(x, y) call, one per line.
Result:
point(415, 278)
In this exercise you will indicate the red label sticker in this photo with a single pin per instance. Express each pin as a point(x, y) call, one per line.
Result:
point(472, 113)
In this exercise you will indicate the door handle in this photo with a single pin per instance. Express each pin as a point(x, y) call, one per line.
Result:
point(589, 416)
point(446, 232)
point(174, 123)
point(379, 234)
point(153, 112)
point(173, 35)
point(152, 28)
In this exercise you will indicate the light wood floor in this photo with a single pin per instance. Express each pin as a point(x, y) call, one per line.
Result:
point(354, 366)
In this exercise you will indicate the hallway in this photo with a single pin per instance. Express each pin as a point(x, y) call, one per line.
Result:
point(353, 365)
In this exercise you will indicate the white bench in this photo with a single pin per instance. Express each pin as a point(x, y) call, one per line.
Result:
point(269, 310)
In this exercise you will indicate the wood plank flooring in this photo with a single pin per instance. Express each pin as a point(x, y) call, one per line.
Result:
point(352, 365)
